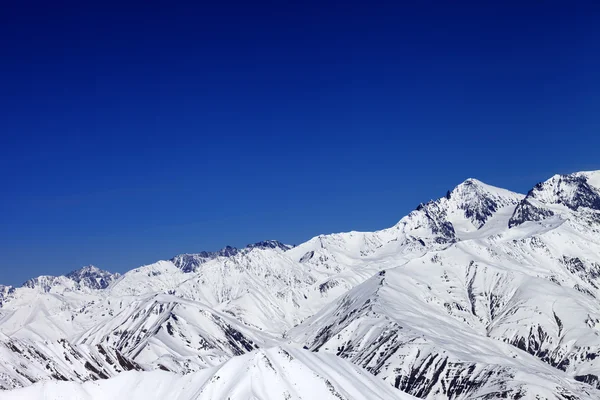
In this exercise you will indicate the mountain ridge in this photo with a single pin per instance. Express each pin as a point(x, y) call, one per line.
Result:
point(229, 251)
point(483, 292)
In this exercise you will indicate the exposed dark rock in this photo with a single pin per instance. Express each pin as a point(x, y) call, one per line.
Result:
point(526, 211)
point(306, 257)
point(269, 244)
point(590, 379)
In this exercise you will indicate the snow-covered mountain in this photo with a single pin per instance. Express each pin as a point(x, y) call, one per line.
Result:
point(270, 374)
point(481, 294)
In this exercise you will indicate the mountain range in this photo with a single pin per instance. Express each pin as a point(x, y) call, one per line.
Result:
point(481, 294)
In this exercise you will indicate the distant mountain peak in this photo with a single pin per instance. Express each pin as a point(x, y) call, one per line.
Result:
point(93, 277)
point(89, 277)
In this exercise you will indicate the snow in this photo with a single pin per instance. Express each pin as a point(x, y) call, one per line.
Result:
point(275, 373)
point(448, 303)
point(593, 178)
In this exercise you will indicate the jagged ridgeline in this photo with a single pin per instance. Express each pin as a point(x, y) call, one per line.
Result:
point(481, 294)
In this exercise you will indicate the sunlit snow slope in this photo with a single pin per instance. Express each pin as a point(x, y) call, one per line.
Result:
point(271, 374)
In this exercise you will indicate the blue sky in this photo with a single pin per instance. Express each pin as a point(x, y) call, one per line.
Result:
point(133, 133)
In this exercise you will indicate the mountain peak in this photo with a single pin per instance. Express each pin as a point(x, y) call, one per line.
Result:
point(464, 209)
point(472, 181)
point(479, 201)
point(474, 200)
point(573, 191)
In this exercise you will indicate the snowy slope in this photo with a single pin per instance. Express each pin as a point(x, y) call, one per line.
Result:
point(479, 294)
point(46, 307)
point(533, 287)
point(433, 333)
point(174, 334)
point(25, 362)
point(272, 374)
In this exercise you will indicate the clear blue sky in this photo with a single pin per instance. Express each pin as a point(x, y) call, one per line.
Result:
point(132, 133)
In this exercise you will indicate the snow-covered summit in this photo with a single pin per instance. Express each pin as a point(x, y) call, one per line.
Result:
point(463, 210)
point(479, 201)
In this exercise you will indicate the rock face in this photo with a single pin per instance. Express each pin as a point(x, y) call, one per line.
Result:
point(526, 211)
point(481, 294)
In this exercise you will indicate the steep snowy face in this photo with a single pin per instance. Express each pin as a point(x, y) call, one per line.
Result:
point(562, 195)
point(271, 374)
